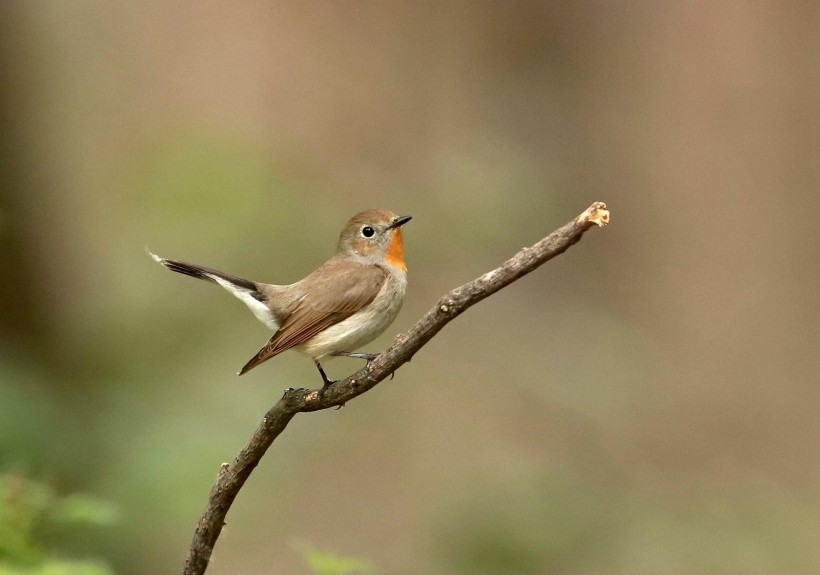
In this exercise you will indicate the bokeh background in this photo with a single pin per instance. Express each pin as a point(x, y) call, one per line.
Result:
point(648, 402)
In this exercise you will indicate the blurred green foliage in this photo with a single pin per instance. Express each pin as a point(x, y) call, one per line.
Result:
point(323, 562)
point(32, 517)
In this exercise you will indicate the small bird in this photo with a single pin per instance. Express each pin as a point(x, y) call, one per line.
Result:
point(346, 303)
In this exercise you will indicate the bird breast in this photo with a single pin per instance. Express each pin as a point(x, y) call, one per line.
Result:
point(365, 325)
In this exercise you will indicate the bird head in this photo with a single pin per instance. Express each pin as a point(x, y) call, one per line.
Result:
point(374, 235)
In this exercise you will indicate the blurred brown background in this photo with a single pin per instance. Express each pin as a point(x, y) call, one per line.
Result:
point(647, 402)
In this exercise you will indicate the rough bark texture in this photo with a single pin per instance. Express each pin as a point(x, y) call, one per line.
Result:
point(232, 476)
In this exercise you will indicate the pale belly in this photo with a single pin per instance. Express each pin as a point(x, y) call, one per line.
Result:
point(362, 327)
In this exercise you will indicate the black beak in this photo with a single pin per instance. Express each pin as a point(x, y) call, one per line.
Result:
point(399, 221)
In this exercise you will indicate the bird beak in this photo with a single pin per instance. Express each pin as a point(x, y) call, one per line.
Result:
point(399, 221)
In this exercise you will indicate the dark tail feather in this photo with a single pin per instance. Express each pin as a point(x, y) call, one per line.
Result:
point(207, 274)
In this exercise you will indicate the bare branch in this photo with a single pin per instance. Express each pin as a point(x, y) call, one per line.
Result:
point(232, 476)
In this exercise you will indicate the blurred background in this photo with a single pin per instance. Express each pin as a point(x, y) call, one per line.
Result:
point(647, 402)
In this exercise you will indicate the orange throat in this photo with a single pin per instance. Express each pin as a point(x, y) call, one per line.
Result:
point(395, 251)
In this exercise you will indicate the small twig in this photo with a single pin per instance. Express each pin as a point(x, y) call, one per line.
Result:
point(232, 476)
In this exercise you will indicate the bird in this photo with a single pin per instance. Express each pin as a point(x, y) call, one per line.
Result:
point(342, 305)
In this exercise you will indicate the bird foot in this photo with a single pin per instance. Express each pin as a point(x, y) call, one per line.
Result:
point(368, 357)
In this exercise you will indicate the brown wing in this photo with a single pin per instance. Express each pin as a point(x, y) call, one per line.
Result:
point(334, 292)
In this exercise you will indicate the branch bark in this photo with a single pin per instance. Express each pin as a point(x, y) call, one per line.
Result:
point(232, 476)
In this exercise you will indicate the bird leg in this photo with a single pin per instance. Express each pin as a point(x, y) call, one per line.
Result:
point(327, 382)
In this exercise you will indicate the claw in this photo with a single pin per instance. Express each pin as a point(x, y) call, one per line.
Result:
point(327, 382)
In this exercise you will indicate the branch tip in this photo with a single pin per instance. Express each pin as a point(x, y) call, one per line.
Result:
point(596, 214)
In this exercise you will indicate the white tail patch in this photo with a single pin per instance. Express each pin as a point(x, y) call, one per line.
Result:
point(259, 309)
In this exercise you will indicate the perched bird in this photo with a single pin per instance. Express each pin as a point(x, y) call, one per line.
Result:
point(345, 303)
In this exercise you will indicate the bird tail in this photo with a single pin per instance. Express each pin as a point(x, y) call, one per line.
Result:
point(248, 291)
point(204, 273)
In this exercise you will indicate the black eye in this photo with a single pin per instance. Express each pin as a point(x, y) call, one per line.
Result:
point(368, 232)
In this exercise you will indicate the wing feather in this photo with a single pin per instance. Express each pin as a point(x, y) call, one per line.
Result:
point(334, 292)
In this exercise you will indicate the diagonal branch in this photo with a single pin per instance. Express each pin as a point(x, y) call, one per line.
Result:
point(232, 476)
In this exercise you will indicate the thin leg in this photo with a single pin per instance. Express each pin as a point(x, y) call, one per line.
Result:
point(327, 382)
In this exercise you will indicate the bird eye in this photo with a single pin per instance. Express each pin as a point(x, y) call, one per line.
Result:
point(368, 232)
